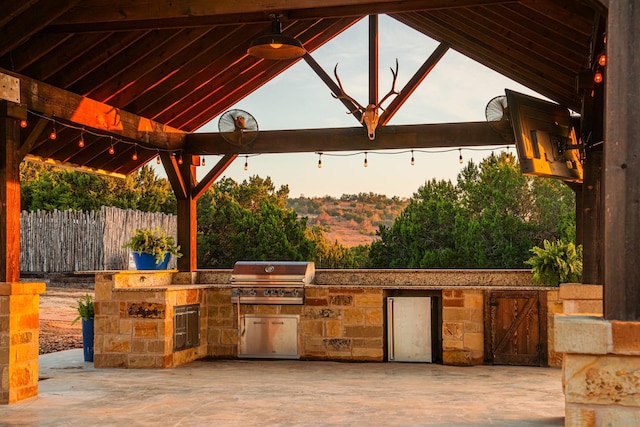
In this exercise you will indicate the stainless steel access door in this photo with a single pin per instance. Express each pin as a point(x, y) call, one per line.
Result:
point(269, 336)
point(409, 329)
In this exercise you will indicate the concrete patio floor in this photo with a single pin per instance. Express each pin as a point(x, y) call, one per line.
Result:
point(289, 393)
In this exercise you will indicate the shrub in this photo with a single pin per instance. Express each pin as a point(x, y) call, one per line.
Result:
point(555, 263)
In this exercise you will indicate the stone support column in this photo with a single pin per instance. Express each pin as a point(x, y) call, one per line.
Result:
point(19, 346)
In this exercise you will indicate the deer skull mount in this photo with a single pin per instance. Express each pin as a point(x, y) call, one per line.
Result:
point(369, 114)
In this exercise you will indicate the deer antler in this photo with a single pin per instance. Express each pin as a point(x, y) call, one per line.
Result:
point(343, 94)
point(393, 87)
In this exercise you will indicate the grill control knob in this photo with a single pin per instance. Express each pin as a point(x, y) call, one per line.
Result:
point(236, 292)
point(252, 292)
point(266, 292)
point(294, 292)
point(281, 292)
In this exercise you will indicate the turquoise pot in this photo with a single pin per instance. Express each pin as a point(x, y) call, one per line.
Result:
point(147, 261)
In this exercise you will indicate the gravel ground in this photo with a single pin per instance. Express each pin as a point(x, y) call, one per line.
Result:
point(56, 314)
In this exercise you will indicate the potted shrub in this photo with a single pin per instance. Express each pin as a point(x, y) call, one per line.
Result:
point(86, 313)
point(555, 263)
point(152, 248)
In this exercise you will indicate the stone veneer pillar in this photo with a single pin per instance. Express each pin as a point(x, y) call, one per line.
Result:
point(19, 345)
point(601, 370)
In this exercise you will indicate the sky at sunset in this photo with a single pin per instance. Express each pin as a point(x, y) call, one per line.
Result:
point(456, 90)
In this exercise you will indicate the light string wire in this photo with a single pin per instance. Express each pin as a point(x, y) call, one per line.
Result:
point(113, 140)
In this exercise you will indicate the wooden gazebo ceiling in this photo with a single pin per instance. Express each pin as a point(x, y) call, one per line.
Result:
point(181, 64)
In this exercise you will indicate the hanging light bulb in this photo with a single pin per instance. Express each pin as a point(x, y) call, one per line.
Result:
point(158, 161)
point(460, 158)
point(204, 162)
point(597, 77)
point(319, 160)
point(366, 163)
point(246, 162)
point(24, 123)
point(81, 140)
point(180, 158)
point(53, 134)
point(602, 60)
point(413, 160)
point(134, 156)
point(112, 150)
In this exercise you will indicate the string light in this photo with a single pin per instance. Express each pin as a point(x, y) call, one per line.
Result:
point(158, 161)
point(53, 134)
point(24, 123)
point(460, 158)
point(319, 160)
point(204, 162)
point(81, 140)
point(597, 77)
point(134, 157)
point(366, 163)
point(180, 158)
point(246, 162)
point(112, 150)
point(602, 60)
point(413, 160)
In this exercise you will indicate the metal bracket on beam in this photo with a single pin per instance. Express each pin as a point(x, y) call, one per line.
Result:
point(9, 88)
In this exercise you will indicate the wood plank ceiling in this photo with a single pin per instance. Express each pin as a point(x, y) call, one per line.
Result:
point(183, 63)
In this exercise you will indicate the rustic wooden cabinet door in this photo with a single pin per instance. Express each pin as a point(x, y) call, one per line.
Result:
point(516, 332)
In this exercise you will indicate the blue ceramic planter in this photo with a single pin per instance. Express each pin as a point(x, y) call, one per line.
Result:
point(147, 261)
point(87, 339)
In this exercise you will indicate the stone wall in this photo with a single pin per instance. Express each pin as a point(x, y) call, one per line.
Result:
point(601, 370)
point(462, 327)
point(134, 326)
point(19, 332)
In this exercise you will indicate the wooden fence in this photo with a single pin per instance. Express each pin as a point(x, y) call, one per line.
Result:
point(68, 241)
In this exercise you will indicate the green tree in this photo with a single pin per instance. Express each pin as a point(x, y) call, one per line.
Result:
point(249, 221)
point(490, 219)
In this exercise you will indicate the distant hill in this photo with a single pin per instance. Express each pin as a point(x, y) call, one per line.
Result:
point(353, 219)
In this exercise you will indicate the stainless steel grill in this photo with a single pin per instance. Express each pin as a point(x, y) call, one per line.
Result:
point(270, 282)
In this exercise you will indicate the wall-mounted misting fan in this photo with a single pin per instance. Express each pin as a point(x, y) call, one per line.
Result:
point(238, 127)
point(497, 114)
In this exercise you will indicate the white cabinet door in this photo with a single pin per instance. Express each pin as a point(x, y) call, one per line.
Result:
point(409, 329)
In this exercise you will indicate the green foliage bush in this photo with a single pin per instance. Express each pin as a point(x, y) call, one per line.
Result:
point(155, 242)
point(85, 308)
point(556, 262)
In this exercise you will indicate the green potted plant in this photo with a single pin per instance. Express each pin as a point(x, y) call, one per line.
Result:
point(85, 308)
point(152, 248)
point(555, 263)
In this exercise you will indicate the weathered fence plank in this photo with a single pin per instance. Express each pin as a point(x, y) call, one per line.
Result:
point(68, 241)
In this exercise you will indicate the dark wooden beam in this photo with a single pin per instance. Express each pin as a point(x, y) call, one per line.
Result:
point(66, 106)
point(622, 164)
point(373, 59)
point(471, 134)
point(333, 86)
point(413, 84)
point(29, 22)
point(213, 174)
point(172, 169)
point(123, 15)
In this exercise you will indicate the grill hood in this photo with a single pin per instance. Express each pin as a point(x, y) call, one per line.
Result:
point(273, 273)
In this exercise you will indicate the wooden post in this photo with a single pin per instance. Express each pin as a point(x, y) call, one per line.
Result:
point(187, 216)
point(373, 59)
point(622, 164)
point(10, 115)
point(590, 214)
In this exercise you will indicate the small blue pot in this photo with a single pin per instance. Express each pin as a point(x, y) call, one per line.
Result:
point(87, 339)
point(147, 261)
